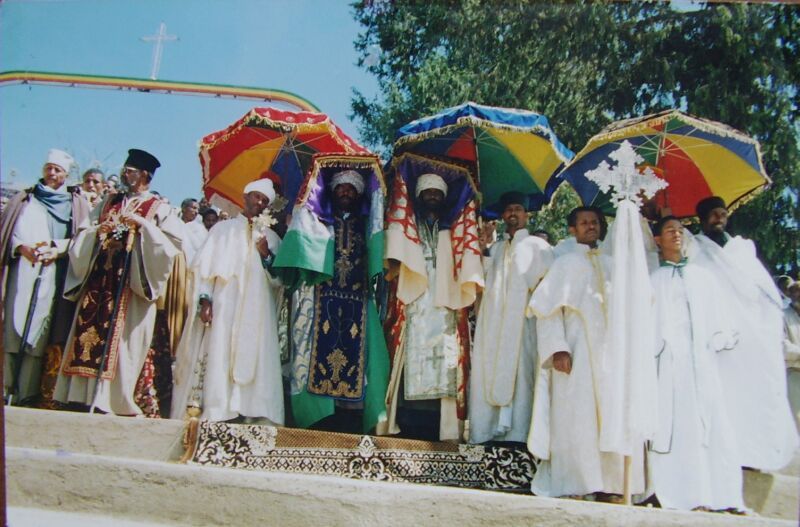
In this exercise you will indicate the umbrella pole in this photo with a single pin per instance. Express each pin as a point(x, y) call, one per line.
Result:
point(478, 178)
point(626, 486)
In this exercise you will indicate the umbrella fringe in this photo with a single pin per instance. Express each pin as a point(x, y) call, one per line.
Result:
point(446, 164)
point(356, 161)
point(623, 128)
point(538, 130)
point(254, 117)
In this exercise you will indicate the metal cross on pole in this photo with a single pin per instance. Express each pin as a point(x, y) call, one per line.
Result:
point(629, 371)
point(158, 49)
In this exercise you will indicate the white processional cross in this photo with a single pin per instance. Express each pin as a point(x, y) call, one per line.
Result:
point(158, 49)
point(628, 182)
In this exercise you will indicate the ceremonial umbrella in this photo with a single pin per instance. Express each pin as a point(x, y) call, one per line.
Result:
point(697, 157)
point(268, 142)
point(512, 150)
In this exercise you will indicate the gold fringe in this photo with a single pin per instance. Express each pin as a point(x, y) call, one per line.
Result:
point(630, 127)
point(613, 130)
point(253, 119)
point(445, 163)
point(355, 160)
point(190, 439)
point(540, 131)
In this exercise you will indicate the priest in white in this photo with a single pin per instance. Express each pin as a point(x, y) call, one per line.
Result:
point(195, 232)
point(754, 376)
point(228, 362)
point(572, 307)
point(504, 358)
point(694, 459)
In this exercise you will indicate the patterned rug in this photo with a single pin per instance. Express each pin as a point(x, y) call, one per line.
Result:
point(373, 458)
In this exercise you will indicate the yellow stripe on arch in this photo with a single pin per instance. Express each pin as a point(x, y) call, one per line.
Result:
point(246, 167)
point(156, 86)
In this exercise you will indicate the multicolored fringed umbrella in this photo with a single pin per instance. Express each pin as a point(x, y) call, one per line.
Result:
point(513, 150)
point(697, 157)
point(267, 142)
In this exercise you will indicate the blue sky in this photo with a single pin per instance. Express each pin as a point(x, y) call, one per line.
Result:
point(301, 46)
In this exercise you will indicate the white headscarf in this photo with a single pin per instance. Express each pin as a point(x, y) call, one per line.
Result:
point(60, 158)
point(265, 186)
point(348, 176)
point(427, 181)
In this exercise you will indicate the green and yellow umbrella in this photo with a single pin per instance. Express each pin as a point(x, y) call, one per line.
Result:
point(513, 150)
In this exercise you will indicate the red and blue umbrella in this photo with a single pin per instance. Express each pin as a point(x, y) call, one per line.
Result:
point(697, 157)
point(512, 150)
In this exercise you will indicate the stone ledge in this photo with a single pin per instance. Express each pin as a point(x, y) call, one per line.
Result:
point(174, 494)
point(773, 495)
point(108, 435)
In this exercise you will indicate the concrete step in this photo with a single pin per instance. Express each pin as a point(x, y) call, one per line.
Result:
point(27, 517)
point(175, 494)
point(127, 467)
point(108, 435)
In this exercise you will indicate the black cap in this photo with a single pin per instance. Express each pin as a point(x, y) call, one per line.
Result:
point(705, 206)
point(142, 160)
point(513, 198)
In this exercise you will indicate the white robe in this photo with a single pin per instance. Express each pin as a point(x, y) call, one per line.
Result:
point(156, 245)
point(32, 228)
point(754, 377)
point(195, 235)
point(232, 367)
point(571, 306)
point(694, 459)
point(504, 358)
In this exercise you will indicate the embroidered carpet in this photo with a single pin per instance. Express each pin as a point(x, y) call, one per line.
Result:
point(373, 458)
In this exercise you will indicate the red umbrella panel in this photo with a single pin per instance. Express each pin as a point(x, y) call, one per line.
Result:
point(271, 143)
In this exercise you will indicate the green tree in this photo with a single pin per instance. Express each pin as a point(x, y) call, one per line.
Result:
point(585, 64)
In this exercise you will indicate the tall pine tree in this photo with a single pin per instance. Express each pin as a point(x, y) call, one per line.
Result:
point(585, 64)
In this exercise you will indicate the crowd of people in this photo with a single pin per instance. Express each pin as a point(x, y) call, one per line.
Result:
point(363, 314)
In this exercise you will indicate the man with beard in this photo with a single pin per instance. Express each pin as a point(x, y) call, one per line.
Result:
point(331, 260)
point(504, 357)
point(427, 404)
point(229, 358)
point(120, 261)
point(753, 378)
point(36, 229)
point(571, 306)
point(339, 320)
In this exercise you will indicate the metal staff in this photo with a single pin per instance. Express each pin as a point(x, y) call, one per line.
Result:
point(114, 314)
point(26, 330)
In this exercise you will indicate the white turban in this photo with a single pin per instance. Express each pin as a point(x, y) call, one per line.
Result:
point(348, 176)
point(60, 158)
point(426, 181)
point(265, 186)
